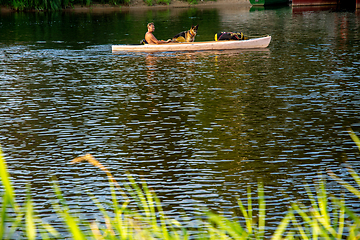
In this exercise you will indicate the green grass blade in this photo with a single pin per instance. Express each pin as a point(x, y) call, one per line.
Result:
point(341, 218)
point(323, 221)
point(163, 226)
point(262, 214)
point(354, 175)
point(16, 223)
point(354, 137)
point(311, 197)
point(322, 200)
point(354, 232)
point(58, 193)
point(9, 196)
point(351, 214)
point(3, 217)
point(227, 228)
point(63, 212)
point(137, 195)
point(249, 204)
point(29, 218)
point(113, 196)
point(282, 226)
point(315, 229)
point(248, 221)
point(304, 216)
point(150, 202)
point(301, 230)
point(122, 224)
point(50, 229)
point(73, 227)
point(344, 184)
point(44, 235)
point(109, 231)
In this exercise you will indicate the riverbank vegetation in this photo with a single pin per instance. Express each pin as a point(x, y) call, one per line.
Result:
point(55, 5)
point(136, 213)
point(51, 5)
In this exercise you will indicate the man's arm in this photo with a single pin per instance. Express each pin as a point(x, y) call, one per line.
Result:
point(151, 39)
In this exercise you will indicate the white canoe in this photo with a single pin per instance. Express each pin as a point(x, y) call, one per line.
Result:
point(262, 42)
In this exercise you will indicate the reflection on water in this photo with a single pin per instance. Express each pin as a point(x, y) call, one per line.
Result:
point(199, 127)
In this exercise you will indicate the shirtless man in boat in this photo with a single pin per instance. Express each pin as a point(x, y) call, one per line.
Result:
point(150, 38)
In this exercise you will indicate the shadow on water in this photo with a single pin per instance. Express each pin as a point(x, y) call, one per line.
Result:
point(199, 127)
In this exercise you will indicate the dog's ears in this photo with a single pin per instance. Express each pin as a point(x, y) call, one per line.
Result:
point(194, 27)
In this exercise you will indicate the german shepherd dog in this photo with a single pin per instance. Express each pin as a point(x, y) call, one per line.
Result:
point(186, 36)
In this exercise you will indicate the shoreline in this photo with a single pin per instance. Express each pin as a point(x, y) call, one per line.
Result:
point(140, 5)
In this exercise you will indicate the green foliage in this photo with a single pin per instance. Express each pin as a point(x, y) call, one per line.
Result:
point(53, 5)
point(149, 2)
point(165, 2)
point(118, 2)
point(192, 1)
point(21, 5)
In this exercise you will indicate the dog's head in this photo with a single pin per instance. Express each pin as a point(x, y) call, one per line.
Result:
point(194, 29)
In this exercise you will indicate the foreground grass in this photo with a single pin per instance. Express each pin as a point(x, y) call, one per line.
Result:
point(327, 217)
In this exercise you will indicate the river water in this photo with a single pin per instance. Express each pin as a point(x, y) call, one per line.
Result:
point(199, 127)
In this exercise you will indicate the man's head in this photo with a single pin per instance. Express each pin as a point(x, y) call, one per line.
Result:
point(151, 27)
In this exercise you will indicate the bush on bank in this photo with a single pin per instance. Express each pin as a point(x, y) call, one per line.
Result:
point(137, 213)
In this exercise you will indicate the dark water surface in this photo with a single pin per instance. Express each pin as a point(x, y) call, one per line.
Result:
point(199, 127)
